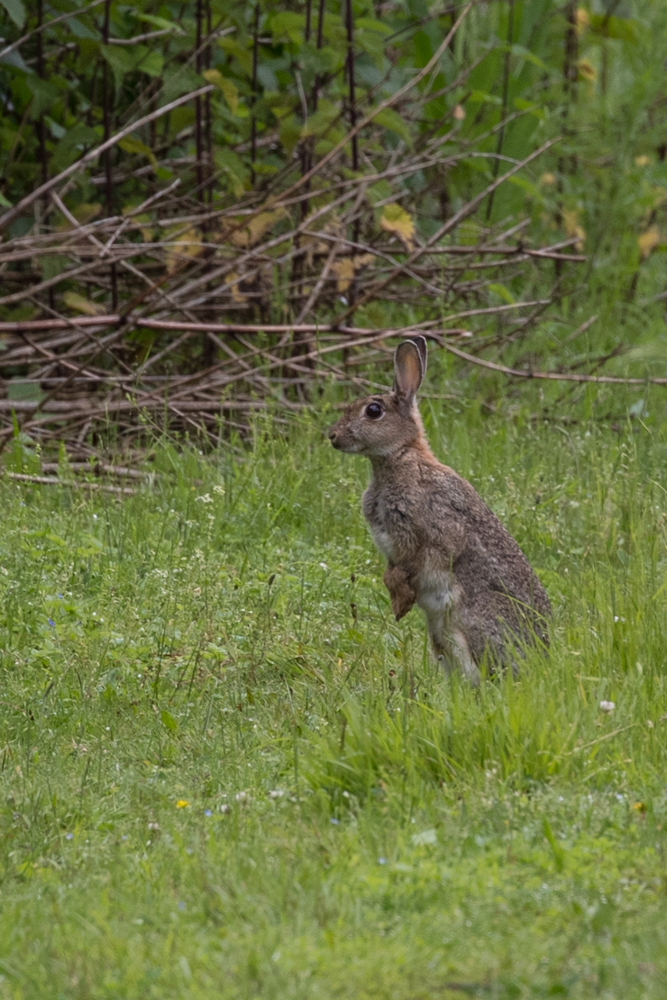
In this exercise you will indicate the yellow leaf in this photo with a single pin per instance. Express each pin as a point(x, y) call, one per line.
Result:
point(586, 70)
point(182, 804)
point(82, 305)
point(582, 20)
point(344, 271)
point(233, 281)
point(648, 241)
point(86, 212)
point(396, 220)
point(546, 180)
point(187, 245)
point(257, 227)
point(642, 161)
point(346, 267)
point(459, 112)
point(228, 88)
point(572, 227)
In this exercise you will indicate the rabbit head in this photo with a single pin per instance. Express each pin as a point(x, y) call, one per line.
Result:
point(381, 424)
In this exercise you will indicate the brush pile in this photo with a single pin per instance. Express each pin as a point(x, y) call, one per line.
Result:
point(238, 275)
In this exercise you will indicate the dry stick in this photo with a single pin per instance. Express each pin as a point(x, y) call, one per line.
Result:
point(177, 325)
point(324, 274)
point(93, 154)
point(22, 477)
point(7, 434)
point(459, 216)
point(551, 376)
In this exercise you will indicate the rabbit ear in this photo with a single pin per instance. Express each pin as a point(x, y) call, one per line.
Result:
point(423, 351)
point(408, 368)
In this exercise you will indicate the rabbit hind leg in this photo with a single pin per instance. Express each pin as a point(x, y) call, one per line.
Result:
point(451, 649)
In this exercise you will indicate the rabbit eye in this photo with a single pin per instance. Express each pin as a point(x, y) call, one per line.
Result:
point(374, 411)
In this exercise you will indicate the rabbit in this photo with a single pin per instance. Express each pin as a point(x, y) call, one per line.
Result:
point(446, 550)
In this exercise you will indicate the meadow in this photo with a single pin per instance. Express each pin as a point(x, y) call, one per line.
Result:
point(226, 771)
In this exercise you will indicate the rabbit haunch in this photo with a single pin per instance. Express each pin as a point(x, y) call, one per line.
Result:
point(446, 550)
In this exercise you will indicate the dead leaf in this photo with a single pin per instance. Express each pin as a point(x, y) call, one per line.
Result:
point(396, 220)
point(346, 267)
point(546, 180)
point(642, 161)
point(648, 241)
point(587, 71)
point(581, 20)
point(232, 280)
point(257, 227)
point(459, 112)
point(227, 86)
point(83, 305)
point(572, 227)
point(187, 245)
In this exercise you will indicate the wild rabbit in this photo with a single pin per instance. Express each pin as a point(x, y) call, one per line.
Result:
point(446, 551)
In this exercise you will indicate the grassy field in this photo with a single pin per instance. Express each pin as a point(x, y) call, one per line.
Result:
point(226, 772)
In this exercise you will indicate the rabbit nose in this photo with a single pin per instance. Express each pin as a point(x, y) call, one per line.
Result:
point(332, 433)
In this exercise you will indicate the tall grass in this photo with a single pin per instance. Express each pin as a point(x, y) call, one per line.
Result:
point(225, 770)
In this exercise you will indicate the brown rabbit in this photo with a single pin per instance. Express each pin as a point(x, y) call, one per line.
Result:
point(446, 551)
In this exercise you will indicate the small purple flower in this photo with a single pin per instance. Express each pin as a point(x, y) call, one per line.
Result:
point(181, 904)
point(336, 822)
point(69, 836)
point(51, 622)
point(208, 812)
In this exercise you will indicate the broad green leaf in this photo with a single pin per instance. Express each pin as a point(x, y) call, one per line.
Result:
point(289, 24)
point(132, 145)
point(227, 86)
point(502, 292)
point(80, 30)
point(16, 60)
point(152, 64)
point(239, 52)
point(232, 165)
point(160, 22)
point(379, 192)
point(319, 122)
point(44, 94)
point(623, 28)
point(290, 132)
point(370, 24)
point(168, 721)
point(523, 53)
point(16, 11)
point(127, 59)
point(4, 202)
point(391, 120)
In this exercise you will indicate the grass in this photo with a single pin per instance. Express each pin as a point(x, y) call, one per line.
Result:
point(225, 771)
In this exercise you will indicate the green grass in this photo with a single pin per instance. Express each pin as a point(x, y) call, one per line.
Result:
point(356, 824)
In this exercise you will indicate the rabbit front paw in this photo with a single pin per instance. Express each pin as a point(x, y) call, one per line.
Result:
point(401, 591)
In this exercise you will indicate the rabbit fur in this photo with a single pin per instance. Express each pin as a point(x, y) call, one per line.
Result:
point(446, 550)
